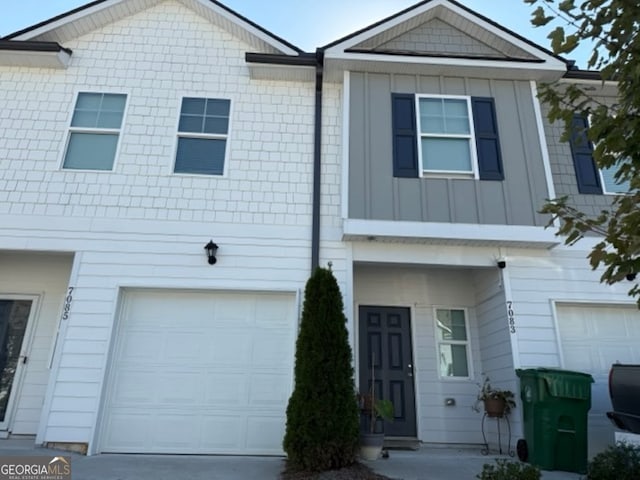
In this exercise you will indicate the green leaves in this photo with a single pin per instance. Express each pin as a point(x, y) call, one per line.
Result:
point(612, 26)
point(322, 414)
point(539, 17)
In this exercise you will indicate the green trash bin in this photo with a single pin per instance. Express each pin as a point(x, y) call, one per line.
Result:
point(555, 407)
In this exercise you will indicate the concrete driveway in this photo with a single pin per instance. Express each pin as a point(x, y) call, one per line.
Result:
point(428, 463)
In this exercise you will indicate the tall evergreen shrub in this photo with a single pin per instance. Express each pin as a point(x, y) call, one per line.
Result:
point(322, 415)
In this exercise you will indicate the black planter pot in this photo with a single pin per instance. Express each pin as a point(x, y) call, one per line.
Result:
point(371, 445)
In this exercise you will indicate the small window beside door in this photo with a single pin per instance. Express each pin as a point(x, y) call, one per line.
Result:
point(452, 339)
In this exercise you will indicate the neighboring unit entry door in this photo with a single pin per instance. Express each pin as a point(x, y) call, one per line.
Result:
point(14, 318)
point(385, 342)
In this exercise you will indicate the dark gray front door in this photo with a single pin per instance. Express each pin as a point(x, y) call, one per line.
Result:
point(385, 338)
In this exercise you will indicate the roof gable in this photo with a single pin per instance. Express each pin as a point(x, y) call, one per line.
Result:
point(446, 33)
point(438, 37)
point(99, 13)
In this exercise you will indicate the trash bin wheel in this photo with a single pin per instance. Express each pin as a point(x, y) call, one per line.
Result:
point(523, 450)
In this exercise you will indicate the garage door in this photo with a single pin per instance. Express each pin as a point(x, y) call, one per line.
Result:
point(593, 337)
point(195, 372)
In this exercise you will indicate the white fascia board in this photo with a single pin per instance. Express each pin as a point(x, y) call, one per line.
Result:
point(527, 47)
point(68, 19)
point(550, 61)
point(64, 58)
point(584, 81)
point(607, 88)
point(446, 61)
point(544, 148)
point(268, 39)
point(291, 73)
point(372, 32)
point(35, 59)
point(414, 254)
point(346, 102)
point(456, 232)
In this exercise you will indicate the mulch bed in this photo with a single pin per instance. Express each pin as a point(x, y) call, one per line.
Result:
point(355, 472)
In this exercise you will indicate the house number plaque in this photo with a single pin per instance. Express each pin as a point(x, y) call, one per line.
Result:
point(511, 316)
point(67, 304)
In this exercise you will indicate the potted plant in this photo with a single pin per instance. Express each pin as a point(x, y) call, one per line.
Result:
point(375, 408)
point(496, 402)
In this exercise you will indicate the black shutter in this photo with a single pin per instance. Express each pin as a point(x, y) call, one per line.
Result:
point(403, 124)
point(487, 139)
point(582, 151)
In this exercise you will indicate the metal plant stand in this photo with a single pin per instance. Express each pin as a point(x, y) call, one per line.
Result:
point(485, 450)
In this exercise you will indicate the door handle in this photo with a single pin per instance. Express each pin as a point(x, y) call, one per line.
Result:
point(410, 373)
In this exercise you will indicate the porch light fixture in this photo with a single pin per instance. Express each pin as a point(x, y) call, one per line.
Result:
point(211, 249)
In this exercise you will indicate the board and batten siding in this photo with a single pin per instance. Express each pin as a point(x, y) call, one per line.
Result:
point(421, 289)
point(374, 194)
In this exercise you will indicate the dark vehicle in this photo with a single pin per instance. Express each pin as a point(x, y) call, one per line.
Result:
point(624, 389)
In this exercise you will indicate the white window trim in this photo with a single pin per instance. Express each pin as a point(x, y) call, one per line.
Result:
point(604, 185)
point(466, 342)
point(471, 174)
point(212, 136)
point(99, 131)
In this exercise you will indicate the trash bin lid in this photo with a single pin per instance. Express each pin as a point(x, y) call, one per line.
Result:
point(562, 383)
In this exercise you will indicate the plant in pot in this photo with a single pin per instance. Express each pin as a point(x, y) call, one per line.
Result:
point(496, 402)
point(375, 409)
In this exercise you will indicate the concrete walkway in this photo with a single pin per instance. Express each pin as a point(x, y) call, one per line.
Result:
point(428, 463)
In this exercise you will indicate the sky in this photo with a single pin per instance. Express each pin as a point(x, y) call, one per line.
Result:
point(308, 24)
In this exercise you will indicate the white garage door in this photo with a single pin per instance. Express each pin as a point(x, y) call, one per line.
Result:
point(196, 372)
point(593, 337)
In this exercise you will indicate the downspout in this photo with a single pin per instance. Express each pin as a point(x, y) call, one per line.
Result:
point(317, 164)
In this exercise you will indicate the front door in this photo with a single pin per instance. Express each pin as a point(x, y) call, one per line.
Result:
point(385, 342)
point(14, 316)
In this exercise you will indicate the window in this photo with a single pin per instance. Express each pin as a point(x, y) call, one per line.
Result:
point(453, 342)
point(445, 135)
point(94, 132)
point(202, 136)
point(591, 179)
point(609, 184)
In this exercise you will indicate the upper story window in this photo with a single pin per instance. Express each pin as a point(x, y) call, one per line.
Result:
point(445, 135)
point(94, 132)
point(591, 179)
point(453, 342)
point(609, 184)
point(202, 136)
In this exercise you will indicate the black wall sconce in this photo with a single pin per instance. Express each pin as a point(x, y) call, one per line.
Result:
point(501, 264)
point(211, 249)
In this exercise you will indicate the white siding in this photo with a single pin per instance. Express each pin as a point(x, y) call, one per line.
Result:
point(47, 277)
point(539, 278)
point(421, 289)
point(496, 356)
point(141, 225)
